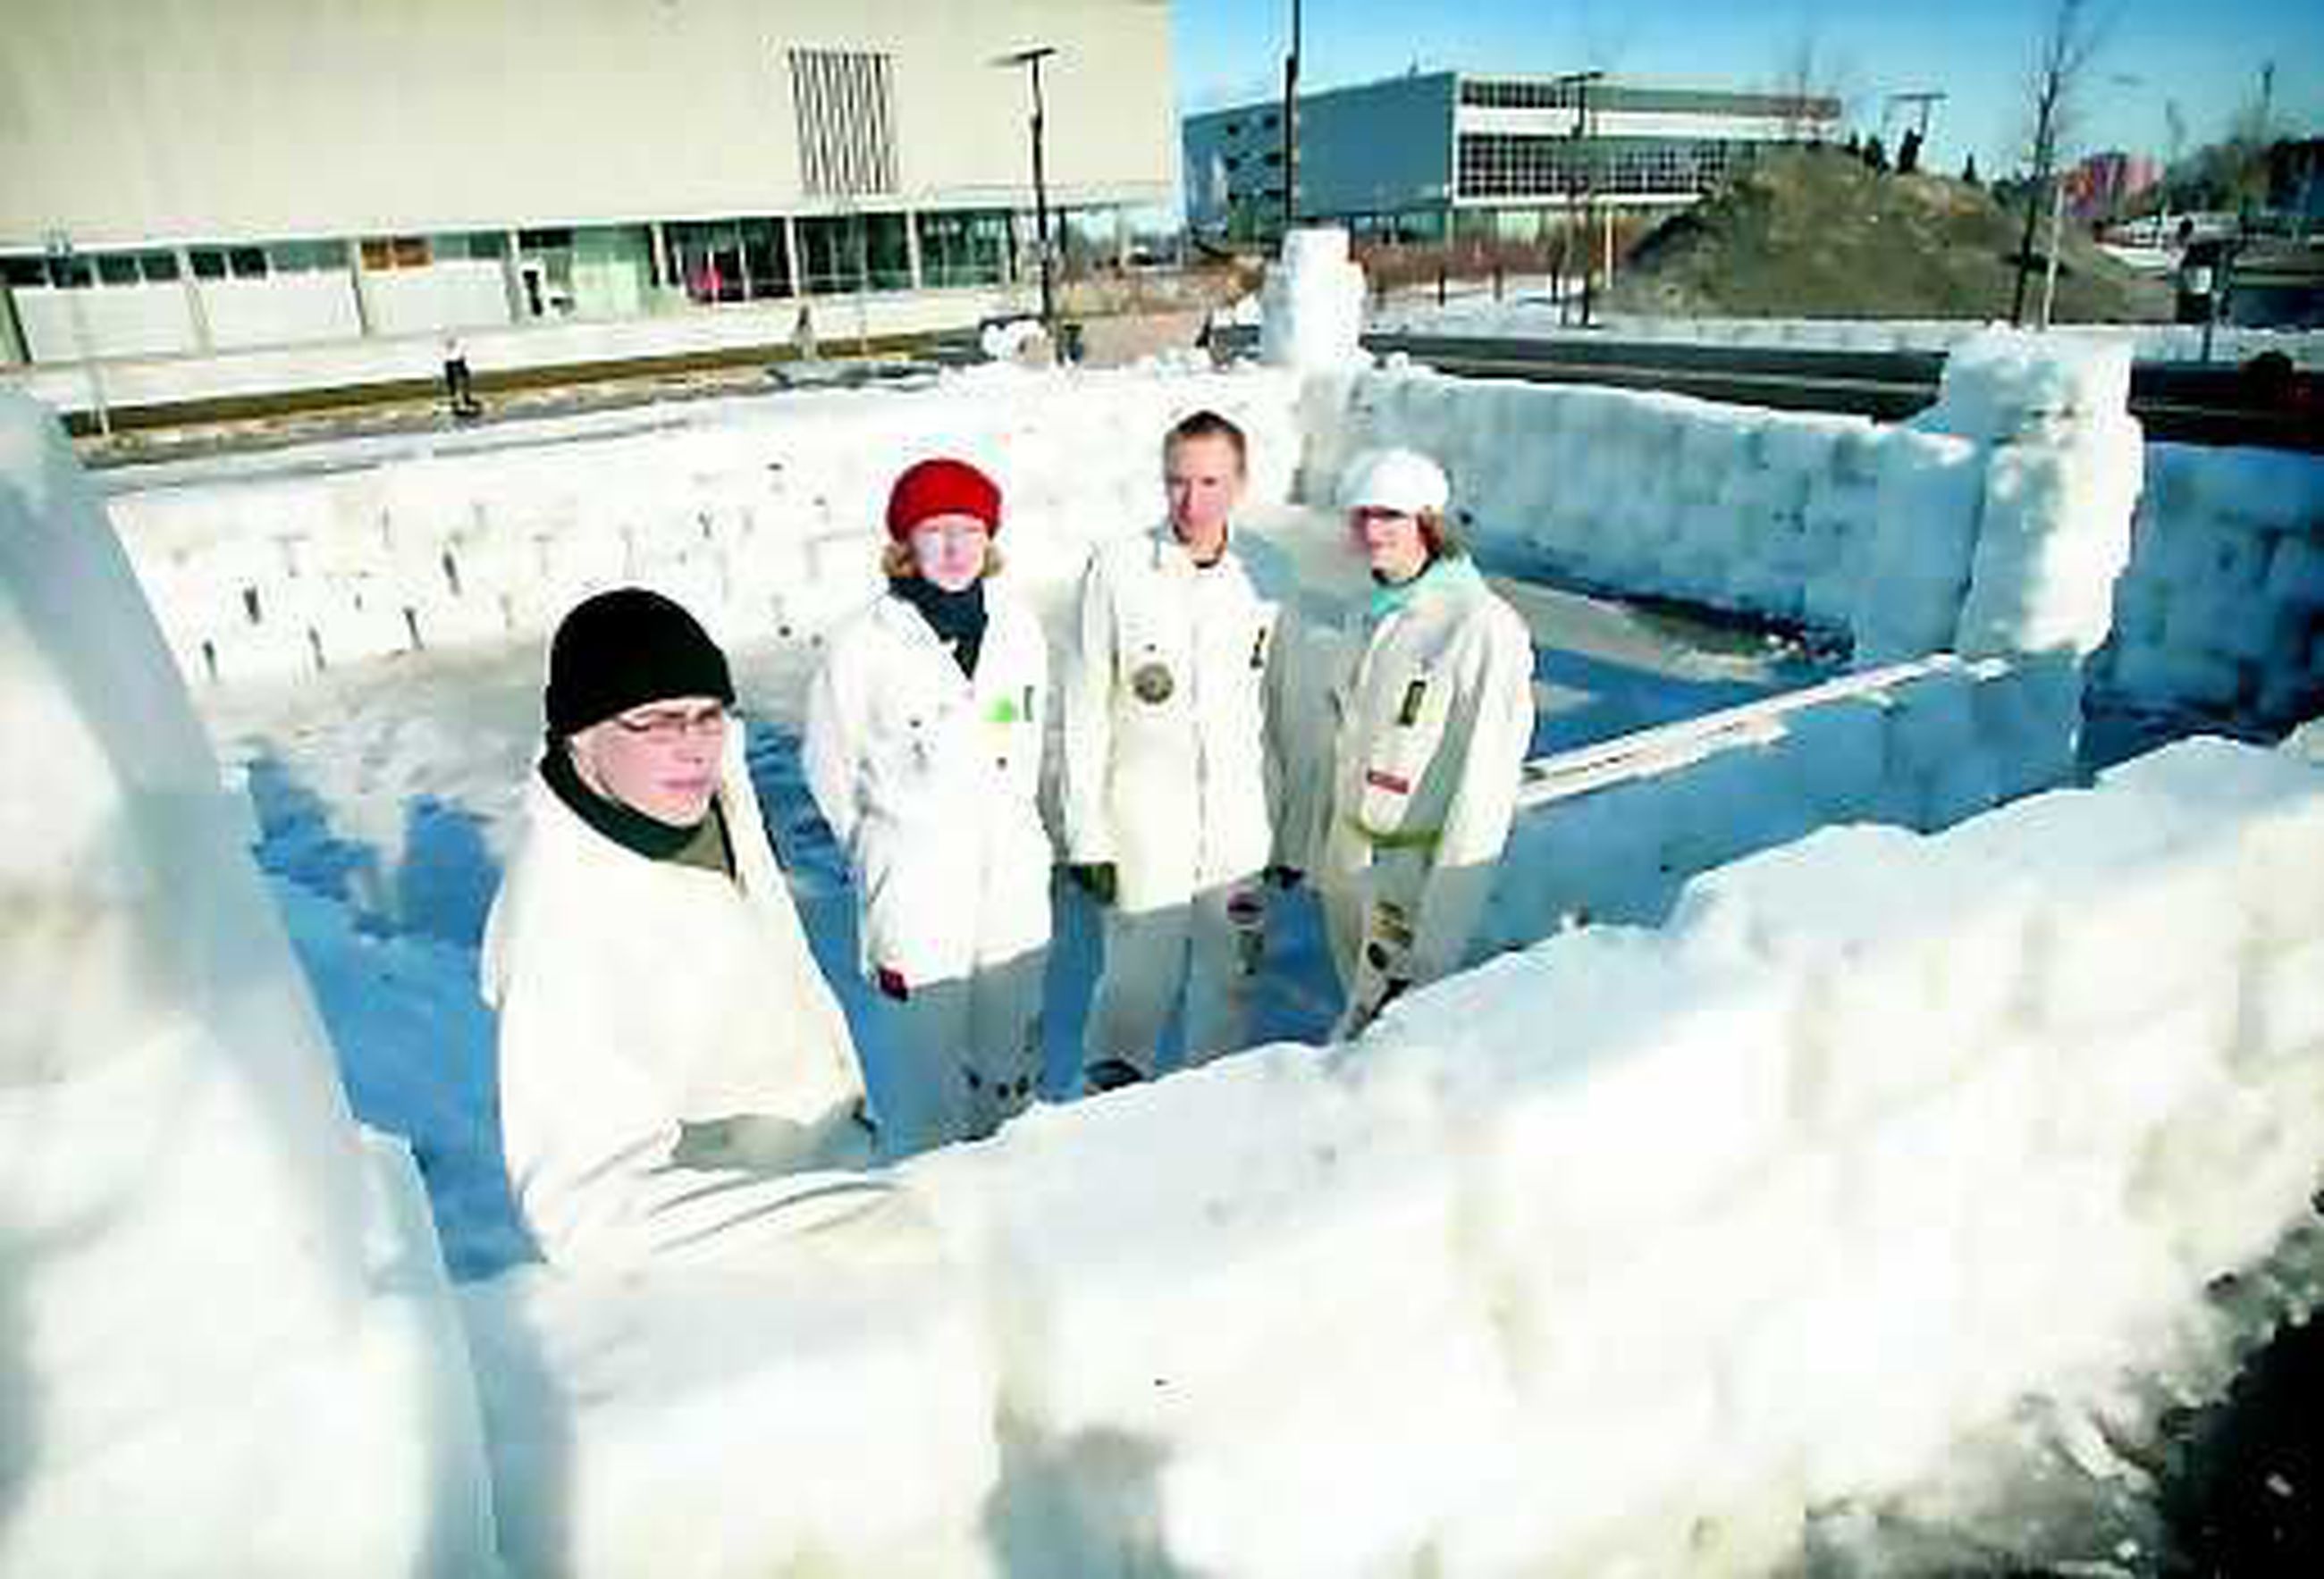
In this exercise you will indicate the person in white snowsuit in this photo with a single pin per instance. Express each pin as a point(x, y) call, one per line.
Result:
point(1165, 787)
point(1435, 716)
point(676, 1077)
point(923, 749)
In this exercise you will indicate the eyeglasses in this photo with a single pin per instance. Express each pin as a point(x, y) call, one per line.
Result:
point(668, 725)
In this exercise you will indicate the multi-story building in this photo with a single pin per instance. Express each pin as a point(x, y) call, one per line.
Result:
point(190, 179)
point(1450, 152)
point(2103, 184)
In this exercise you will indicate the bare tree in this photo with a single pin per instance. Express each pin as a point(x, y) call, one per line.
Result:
point(2070, 43)
point(1806, 74)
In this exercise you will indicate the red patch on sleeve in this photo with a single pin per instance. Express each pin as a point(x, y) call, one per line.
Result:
point(1389, 782)
point(892, 983)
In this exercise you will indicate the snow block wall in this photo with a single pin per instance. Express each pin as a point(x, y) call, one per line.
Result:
point(767, 522)
point(227, 1343)
point(1621, 1253)
point(1761, 511)
point(2206, 566)
point(2222, 611)
point(1610, 832)
point(1313, 304)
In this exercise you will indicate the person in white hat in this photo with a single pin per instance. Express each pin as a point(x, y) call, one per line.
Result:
point(923, 751)
point(1435, 714)
point(1165, 785)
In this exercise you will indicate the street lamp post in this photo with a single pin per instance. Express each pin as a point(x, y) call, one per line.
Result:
point(60, 269)
point(1291, 127)
point(1579, 82)
point(1031, 58)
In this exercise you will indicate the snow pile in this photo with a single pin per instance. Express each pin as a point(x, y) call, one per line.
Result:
point(1311, 305)
point(228, 1340)
point(763, 516)
point(2222, 607)
point(1610, 832)
point(1017, 340)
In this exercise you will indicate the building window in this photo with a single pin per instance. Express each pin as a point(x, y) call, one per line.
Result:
point(209, 263)
point(963, 249)
point(305, 257)
point(729, 260)
point(844, 103)
point(25, 273)
point(848, 252)
point(247, 263)
point(116, 267)
point(159, 267)
point(1503, 165)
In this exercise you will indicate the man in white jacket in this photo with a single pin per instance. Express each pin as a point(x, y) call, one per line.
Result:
point(1164, 781)
point(676, 1079)
point(1435, 715)
point(923, 749)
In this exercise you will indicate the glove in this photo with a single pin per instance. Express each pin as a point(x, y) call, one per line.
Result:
point(1285, 877)
point(1098, 879)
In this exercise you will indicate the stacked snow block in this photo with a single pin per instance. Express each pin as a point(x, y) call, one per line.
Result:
point(766, 522)
point(1312, 304)
point(2222, 611)
point(230, 1342)
point(1611, 832)
point(2064, 460)
point(1762, 511)
point(1589, 1261)
point(624, 1411)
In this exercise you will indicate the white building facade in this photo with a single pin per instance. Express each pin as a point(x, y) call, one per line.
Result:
point(1429, 156)
point(189, 181)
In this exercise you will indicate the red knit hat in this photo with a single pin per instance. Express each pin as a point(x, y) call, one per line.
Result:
point(942, 487)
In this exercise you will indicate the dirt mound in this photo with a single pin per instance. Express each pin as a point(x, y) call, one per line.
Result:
point(1813, 232)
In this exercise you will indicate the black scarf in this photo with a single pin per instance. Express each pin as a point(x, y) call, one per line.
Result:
point(956, 617)
point(632, 829)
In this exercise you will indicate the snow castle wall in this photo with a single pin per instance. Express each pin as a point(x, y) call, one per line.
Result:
point(1874, 530)
point(227, 1343)
point(1611, 1250)
point(766, 523)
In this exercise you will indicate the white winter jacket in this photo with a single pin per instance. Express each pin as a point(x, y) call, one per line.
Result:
point(1435, 717)
point(931, 783)
point(1165, 723)
point(643, 1003)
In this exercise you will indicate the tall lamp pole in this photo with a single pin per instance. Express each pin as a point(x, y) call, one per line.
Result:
point(1032, 59)
point(1291, 127)
point(62, 270)
point(1579, 82)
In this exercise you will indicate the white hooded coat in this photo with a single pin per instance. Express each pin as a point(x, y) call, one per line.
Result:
point(667, 1043)
point(930, 782)
point(1435, 715)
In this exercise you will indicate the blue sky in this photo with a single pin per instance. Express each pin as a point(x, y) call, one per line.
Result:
point(2206, 55)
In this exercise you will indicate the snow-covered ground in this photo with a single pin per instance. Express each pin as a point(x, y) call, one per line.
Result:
point(1525, 308)
point(1864, 1207)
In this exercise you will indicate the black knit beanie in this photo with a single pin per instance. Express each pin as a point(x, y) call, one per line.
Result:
point(622, 649)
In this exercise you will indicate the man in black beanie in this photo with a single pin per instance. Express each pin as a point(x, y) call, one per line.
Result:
point(676, 1079)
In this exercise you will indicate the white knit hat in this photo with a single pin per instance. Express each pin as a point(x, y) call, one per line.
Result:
point(1399, 480)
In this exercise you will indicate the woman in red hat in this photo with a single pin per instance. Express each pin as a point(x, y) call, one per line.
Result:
point(923, 748)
